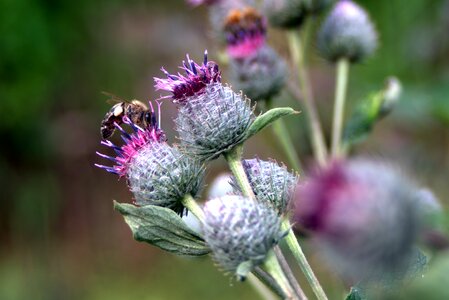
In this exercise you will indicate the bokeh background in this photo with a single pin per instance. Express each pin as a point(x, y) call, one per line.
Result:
point(59, 236)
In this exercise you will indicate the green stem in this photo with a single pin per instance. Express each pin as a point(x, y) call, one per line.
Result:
point(269, 285)
point(306, 34)
point(234, 159)
point(316, 132)
point(274, 269)
point(297, 252)
point(289, 274)
point(281, 132)
point(192, 206)
point(339, 105)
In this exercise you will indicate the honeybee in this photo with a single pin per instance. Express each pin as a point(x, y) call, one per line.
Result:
point(135, 110)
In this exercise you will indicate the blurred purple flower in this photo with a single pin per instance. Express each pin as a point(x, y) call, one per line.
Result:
point(364, 215)
point(245, 31)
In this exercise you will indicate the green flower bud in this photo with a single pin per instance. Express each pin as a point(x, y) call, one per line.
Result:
point(161, 175)
point(240, 232)
point(347, 33)
point(214, 121)
point(272, 184)
point(259, 76)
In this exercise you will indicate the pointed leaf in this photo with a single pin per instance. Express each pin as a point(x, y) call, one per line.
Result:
point(370, 111)
point(162, 228)
point(362, 120)
point(267, 118)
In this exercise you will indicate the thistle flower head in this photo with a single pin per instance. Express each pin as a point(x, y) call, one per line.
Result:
point(133, 143)
point(213, 122)
point(245, 32)
point(261, 75)
point(240, 232)
point(347, 33)
point(285, 13)
point(157, 173)
point(365, 216)
point(194, 82)
point(272, 184)
point(161, 175)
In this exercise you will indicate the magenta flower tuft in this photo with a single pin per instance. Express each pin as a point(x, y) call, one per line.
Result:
point(133, 143)
point(245, 31)
point(193, 83)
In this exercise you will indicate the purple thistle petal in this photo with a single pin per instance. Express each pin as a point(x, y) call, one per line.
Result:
point(194, 82)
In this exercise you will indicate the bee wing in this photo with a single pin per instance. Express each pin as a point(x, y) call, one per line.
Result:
point(113, 99)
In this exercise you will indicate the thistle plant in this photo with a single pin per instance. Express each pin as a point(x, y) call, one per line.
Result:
point(363, 216)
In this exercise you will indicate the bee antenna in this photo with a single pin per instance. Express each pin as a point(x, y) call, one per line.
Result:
point(205, 57)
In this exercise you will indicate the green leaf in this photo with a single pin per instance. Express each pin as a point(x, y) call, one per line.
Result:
point(162, 228)
point(370, 111)
point(267, 118)
point(362, 120)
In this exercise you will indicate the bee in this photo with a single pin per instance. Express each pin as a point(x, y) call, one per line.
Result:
point(135, 110)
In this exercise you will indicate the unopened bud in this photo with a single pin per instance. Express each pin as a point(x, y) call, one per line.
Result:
point(347, 33)
point(240, 232)
point(260, 76)
point(272, 184)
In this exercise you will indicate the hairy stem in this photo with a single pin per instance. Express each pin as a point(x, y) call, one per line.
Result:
point(193, 206)
point(268, 281)
point(281, 132)
point(307, 34)
point(234, 159)
point(295, 248)
point(339, 106)
point(316, 132)
point(288, 272)
point(274, 269)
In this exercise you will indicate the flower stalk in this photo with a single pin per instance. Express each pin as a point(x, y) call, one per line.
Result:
point(297, 252)
point(289, 274)
point(316, 132)
point(339, 106)
point(264, 284)
point(274, 269)
point(193, 206)
point(234, 159)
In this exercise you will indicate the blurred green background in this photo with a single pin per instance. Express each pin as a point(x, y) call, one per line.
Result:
point(60, 238)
